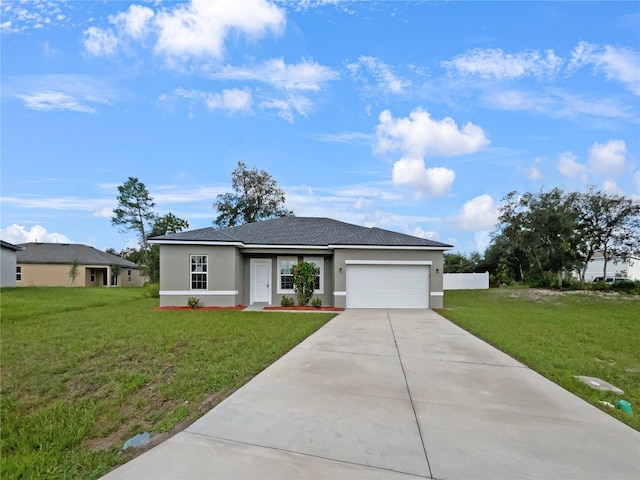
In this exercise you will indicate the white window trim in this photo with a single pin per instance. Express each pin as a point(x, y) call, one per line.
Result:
point(191, 273)
point(279, 289)
point(18, 273)
point(320, 262)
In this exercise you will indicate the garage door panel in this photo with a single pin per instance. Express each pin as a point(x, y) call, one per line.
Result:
point(387, 286)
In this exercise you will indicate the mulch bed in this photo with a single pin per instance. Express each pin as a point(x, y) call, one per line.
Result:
point(306, 307)
point(237, 307)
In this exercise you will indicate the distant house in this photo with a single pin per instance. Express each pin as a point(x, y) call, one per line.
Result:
point(8, 264)
point(616, 267)
point(49, 264)
point(358, 267)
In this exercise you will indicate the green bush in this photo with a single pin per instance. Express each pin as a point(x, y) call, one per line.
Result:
point(316, 302)
point(624, 287)
point(287, 301)
point(194, 302)
point(151, 290)
point(304, 279)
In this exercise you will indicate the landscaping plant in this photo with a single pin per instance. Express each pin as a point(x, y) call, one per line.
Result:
point(304, 279)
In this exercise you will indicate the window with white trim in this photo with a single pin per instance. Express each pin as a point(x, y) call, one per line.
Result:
point(318, 287)
point(285, 276)
point(18, 274)
point(129, 276)
point(198, 272)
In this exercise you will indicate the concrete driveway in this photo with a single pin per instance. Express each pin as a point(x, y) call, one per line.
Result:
point(396, 394)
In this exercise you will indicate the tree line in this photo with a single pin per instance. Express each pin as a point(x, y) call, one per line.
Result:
point(552, 234)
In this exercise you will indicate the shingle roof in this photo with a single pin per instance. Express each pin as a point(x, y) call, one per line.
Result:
point(10, 246)
point(66, 253)
point(309, 231)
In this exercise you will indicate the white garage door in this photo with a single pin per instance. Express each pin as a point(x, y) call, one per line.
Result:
point(387, 286)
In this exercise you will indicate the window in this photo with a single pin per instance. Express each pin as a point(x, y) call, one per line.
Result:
point(198, 272)
point(319, 262)
point(129, 276)
point(285, 277)
point(93, 276)
point(18, 274)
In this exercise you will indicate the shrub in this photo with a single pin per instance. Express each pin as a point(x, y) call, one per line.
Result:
point(316, 302)
point(304, 279)
point(151, 290)
point(194, 302)
point(624, 287)
point(287, 301)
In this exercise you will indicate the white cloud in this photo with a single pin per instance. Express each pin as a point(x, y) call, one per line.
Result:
point(611, 188)
point(569, 167)
point(532, 172)
point(100, 42)
point(233, 100)
point(54, 101)
point(419, 232)
point(479, 213)
point(58, 92)
point(608, 159)
point(618, 63)
point(432, 182)
point(351, 138)
point(19, 234)
point(198, 29)
point(482, 241)
point(135, 22)
point(636, 181)
point(306, 75)
point(418, 135)
point(289, 107)
point(494, 63)
point(385, 80)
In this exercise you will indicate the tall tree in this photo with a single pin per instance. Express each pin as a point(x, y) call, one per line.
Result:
point(163, 225)
point(134, 210)
point(544, 226)
point(609, 224)
point(256, 196)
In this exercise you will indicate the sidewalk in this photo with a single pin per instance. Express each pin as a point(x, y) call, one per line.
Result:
point(396, 394)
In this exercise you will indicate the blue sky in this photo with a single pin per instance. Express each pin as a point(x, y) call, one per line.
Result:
point(415, 116)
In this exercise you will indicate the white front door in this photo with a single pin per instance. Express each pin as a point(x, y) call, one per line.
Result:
point(260, 280)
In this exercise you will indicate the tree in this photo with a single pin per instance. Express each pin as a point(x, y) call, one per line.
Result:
point(134, 210)
point(542, 231)
point(610, 224)
point(74, 271)
point(304, 279)
point(168, 223)
point(256, 197)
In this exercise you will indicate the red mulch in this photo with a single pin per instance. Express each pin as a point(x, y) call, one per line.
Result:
point(306, 307)
point(237, 307)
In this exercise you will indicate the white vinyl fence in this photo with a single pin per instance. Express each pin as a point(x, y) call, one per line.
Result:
point(466, 281)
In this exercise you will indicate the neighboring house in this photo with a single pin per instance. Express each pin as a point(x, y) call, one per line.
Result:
point(49, 264)
point(8, 264)
point(616, 267)
point(359, 267)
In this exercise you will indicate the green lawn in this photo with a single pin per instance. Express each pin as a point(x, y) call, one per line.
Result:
point(561, 335)
point(85, 369)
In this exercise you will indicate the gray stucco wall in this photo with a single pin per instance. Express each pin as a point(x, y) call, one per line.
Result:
point(223, 287)
point(435, 278)
point(7, 267)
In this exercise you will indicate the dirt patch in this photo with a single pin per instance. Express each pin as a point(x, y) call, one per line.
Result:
point(541, 294)
point(306, 308)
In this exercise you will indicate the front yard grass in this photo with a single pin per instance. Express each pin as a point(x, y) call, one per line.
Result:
point(561, 335)
point(85, 369)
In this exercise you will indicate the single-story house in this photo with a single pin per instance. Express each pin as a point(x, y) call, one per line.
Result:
point(359, 267)
point(8, 264)
point(616, 267)
point(49, 264)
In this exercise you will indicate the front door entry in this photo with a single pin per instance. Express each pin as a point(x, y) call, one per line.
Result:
point(260, 280)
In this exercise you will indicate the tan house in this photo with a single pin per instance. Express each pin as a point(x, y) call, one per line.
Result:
point(358, 267)
point(49, 264)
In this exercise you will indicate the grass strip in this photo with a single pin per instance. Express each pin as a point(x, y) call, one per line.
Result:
point(561, 335)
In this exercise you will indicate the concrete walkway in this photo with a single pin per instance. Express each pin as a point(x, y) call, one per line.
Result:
point(396, 394)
